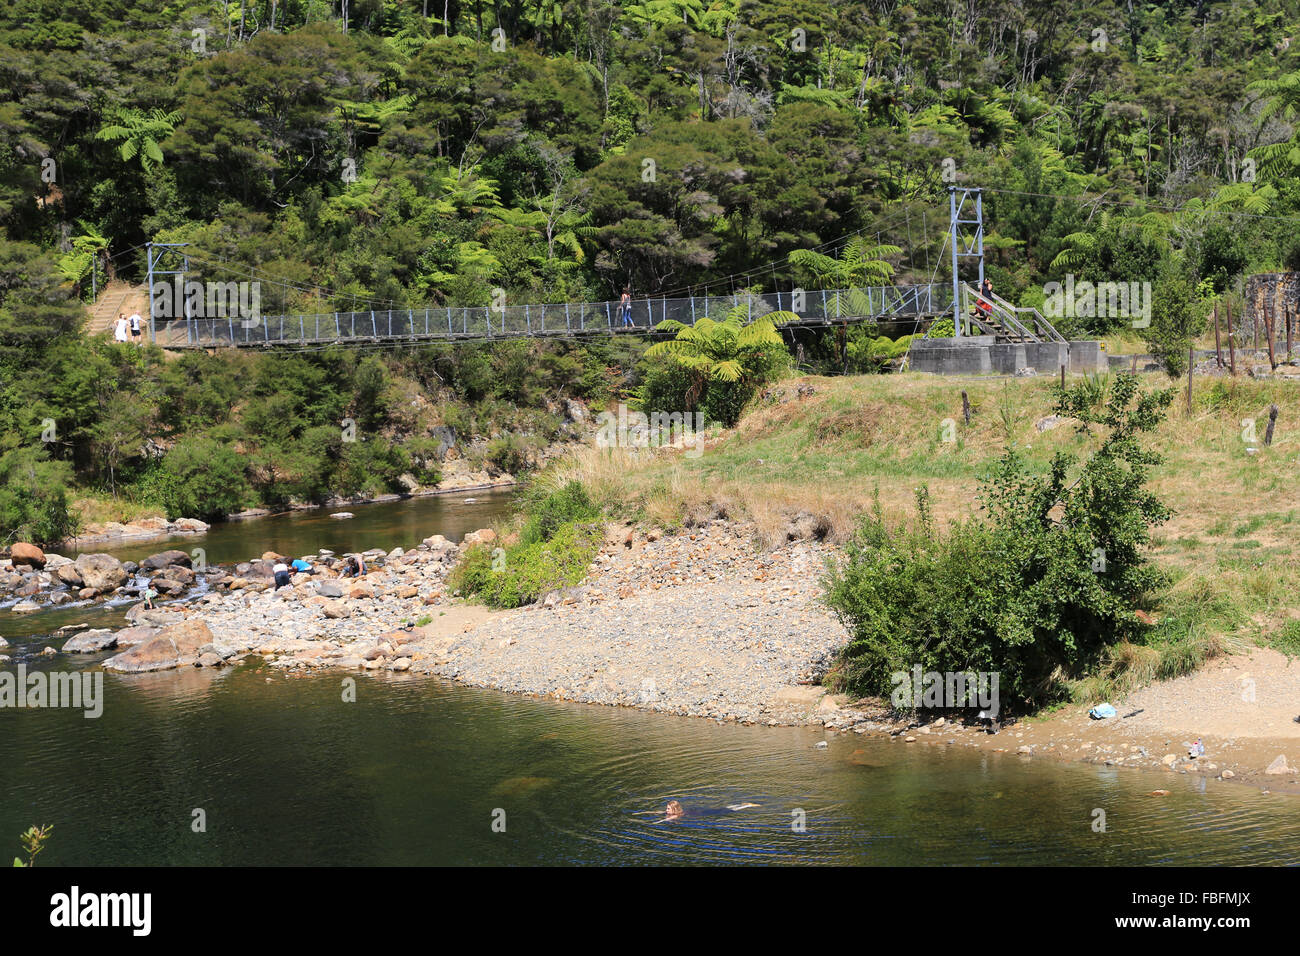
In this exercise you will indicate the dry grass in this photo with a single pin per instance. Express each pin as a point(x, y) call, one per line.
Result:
point(810, 464)
point(101, 509)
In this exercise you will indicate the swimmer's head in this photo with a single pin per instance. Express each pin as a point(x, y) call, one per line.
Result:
point(674, 810)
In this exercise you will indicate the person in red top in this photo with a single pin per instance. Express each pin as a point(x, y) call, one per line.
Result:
point(986, 289)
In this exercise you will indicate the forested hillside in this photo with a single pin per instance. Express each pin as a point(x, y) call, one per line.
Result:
point(382, 154)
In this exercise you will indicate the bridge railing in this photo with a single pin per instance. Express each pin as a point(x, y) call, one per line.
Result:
point(453, 323)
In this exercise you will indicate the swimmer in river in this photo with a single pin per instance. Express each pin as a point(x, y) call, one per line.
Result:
point(675, 811)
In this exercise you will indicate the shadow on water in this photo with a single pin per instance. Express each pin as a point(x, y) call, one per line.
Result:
point(417, 770)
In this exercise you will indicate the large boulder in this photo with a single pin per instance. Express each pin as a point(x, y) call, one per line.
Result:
point(70, 576)
point(136, 634)
point(155, 617)
point(88, 642)
point(481, 536)
point(27, 554)
point(177, 645)
point(445, 435)
point(156, 562)
point(103, 572)
point(179, 574)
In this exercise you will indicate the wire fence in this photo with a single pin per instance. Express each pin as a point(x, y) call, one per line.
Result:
point(463, 323)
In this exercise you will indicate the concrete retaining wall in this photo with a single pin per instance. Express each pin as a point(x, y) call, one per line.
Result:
point(984, 355)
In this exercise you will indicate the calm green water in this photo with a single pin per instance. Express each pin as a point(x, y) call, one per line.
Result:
point(413, 771)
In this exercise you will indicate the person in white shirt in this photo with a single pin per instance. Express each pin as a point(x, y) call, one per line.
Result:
point(135, 320)
point(119, 330)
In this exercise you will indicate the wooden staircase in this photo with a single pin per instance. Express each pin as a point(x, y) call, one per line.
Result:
point(118, 297)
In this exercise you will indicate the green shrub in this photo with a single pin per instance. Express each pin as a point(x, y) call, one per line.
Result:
point(545, 516)
point(370, 467)
point(1035, 590)
point(205, 479)
point(423, 454)
point(509, 453)
point(1175, 323)
point(33, 500)
point(525, 572)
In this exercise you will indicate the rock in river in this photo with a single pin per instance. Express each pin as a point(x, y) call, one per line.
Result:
point(175, 646)
point(103, 572)
point(27, 554)
point(70, 576)
point(88, 642)
point(156, 562)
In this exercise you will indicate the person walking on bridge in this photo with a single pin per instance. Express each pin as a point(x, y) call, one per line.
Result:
point(625, 307)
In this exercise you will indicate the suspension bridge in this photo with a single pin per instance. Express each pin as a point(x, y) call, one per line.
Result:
point(982, 317)
point(918, 304)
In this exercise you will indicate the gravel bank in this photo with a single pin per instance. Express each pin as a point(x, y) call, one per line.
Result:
point(700, 624)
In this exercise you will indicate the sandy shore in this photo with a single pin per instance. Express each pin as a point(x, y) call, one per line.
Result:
point(1241, 707)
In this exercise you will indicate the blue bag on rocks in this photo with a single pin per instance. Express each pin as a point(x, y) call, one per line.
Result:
point(1101, 712)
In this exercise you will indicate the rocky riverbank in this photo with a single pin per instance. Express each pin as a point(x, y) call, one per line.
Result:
point(701, 623)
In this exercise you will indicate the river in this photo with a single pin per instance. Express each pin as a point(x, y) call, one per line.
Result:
point(282, 769)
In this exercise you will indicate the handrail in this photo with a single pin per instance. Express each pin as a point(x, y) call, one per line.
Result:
point(1042, 328)
point(460, 323)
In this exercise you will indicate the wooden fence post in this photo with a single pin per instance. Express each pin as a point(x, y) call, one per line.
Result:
point(1272, 420)
point(1232, 352)
point(1218, 348)
point(1269, 317)
point(1286, 312)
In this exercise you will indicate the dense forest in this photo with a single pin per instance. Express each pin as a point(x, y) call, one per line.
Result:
point(383, 154)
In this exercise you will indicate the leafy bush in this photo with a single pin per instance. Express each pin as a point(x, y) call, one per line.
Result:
point(1175, 323)
point(569, 504)
point(560, 536)
point(33, 502)
point(509, 453)
point(529, 571)
point(1035, 590)
point(423, 454)
point(714, 367)
point(370, 467)
point(205, 479)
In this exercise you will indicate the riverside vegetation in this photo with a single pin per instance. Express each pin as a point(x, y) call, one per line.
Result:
point(381, 157)
point(1188, 518)
point(1164, 153)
